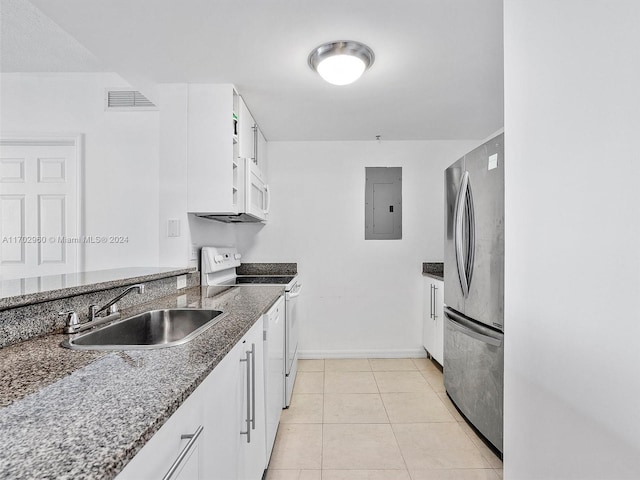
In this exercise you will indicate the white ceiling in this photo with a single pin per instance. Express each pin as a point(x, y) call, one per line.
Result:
point(438, 72)
point(32, 42)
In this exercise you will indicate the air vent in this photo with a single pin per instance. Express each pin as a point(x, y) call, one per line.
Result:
point(127, 100)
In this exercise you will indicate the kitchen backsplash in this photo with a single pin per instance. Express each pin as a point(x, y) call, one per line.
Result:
point(267, 269)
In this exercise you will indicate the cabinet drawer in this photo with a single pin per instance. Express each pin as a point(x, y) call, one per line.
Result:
point(168, 448)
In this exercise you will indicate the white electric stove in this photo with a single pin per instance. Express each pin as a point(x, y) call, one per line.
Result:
point(218, 268)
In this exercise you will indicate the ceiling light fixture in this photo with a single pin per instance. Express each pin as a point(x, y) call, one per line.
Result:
point(342, 62)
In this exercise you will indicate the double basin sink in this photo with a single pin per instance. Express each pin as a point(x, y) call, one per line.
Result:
point(148, 330)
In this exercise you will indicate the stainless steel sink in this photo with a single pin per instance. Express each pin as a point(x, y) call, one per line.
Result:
point(149, 330)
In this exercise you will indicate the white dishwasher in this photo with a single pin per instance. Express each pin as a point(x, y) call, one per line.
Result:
point(274, 369)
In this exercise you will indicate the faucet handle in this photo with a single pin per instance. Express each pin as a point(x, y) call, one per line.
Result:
point(92, 311)
point(72, 318)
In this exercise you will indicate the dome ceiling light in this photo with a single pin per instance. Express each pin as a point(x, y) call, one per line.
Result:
point(342, 62)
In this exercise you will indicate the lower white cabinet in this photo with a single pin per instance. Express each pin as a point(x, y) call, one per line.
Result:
point(234, 414)
point(227, 415)
point(433, 318)
point(175, 452)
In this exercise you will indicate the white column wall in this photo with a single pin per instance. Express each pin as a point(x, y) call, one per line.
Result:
point(360, 298)
point(572, 329)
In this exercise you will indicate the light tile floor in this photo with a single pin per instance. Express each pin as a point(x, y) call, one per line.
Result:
point(376, 419)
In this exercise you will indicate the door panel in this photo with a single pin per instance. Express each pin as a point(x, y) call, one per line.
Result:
point(485, 300)
point(39, 224)
point(453, 296)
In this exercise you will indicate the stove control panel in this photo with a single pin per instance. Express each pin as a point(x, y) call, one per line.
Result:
point(216, 259)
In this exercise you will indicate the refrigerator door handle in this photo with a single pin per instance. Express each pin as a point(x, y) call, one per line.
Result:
point(471, 228)
point(461, 203)
point(458, 322)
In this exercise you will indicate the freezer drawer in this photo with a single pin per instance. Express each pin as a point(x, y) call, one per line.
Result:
point(473, 373)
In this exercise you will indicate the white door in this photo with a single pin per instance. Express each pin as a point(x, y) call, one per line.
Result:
point(39, 221)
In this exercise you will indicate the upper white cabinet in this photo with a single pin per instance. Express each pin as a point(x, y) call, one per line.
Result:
point(252, 142)
point(213, 176)
point(226, 153)
point(433, 318)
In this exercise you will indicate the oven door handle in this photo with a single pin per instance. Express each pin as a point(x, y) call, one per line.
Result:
point(295, 293)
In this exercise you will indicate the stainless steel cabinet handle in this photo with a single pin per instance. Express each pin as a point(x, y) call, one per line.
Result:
point(193, 438)
point(248, 432)
point(253, 386)
point(435, 304)
point(255, 143)
point(431, 300)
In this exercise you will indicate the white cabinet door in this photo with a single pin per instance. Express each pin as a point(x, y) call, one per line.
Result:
point(246, 134)
point(262, 155)
point(222, 394)
point(163, 450)
point(438, 309)
point(233, 401)
point(274, 371)
point(252, 457)
point(433, 318)
point(429, 327)
point(253, 145)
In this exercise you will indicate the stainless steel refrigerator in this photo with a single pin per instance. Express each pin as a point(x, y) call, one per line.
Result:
point(474, 287)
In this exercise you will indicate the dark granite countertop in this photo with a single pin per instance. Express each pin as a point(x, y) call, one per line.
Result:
point(25, 291)
point(433, 270)
point(83, 415)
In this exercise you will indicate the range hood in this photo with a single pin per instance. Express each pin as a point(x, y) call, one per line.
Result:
point(237, 218)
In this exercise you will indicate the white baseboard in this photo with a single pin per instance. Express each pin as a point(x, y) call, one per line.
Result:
point(317, 354)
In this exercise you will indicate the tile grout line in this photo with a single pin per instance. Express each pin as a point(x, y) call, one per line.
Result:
point(322, 420)
point(391, 425)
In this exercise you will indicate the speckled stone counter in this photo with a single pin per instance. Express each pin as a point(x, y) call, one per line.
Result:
point(68, 414)
point(25, 291)
point(434, 270)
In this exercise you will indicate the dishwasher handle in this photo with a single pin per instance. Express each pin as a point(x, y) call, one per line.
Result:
point(295, 292)
point(471, 329)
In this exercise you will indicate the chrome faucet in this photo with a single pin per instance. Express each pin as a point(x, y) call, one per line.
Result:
point(94, 311)
point(74, 326)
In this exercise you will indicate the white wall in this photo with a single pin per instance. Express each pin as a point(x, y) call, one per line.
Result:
point(361, 298)
point(572, 358)
point(121, 157)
